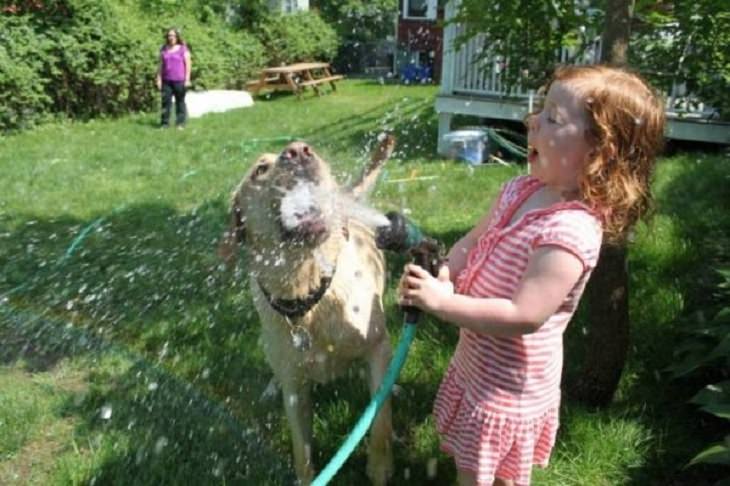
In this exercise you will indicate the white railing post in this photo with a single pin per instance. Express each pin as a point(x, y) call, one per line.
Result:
point(447, 65)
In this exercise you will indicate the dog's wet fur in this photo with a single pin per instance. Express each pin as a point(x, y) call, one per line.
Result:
point(302, 244)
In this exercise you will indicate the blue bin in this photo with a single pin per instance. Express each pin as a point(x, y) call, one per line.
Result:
point(467, 145)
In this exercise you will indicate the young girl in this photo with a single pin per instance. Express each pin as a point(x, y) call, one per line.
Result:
point(513, 282)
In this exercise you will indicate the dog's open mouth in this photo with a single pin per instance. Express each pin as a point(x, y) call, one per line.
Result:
point(302, 217)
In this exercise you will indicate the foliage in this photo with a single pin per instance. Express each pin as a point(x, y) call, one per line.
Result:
point(302, 36)
point(670, 41)
point(706, 352)
point(102, 61)
point(687, 41)
point(358, 20)
point(523, 39)
point(24, 56)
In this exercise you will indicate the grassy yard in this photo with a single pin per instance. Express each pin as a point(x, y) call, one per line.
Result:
point(128, 356)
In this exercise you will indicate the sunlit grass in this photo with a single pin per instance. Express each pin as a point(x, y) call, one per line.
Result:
point(136, 360)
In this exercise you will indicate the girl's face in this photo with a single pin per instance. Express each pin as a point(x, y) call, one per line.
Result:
point(558, 147)
point(171, 37)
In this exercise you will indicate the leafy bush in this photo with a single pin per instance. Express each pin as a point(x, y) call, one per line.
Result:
point(24, 56)
point(302, 36)
point(104, 62)
point(706, 352)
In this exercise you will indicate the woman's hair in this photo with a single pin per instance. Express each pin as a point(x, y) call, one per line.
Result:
point(626, 128)
point(177, 35)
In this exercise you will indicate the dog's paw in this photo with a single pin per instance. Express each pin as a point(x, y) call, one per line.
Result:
point(271, 392)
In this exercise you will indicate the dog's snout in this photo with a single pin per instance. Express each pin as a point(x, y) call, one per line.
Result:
point(298, 152)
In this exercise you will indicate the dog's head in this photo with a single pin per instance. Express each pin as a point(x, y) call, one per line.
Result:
point(286, 198)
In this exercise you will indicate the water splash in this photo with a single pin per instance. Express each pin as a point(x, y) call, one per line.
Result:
point(307, 197)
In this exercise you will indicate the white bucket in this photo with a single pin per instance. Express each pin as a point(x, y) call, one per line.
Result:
point(467, 145)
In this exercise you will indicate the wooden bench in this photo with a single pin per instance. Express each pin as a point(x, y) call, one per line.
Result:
point(327, 79)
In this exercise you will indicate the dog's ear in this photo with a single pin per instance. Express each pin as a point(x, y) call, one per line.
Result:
point(365, 183)
point(235, 234)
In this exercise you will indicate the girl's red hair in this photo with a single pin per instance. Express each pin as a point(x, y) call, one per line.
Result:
point(626, 128)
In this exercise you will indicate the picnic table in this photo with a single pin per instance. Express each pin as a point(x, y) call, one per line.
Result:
point(295, 78)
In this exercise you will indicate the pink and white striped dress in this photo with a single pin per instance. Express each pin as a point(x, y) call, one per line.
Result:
point(497, 406)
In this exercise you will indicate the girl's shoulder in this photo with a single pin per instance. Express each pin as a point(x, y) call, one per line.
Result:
point(572, 225)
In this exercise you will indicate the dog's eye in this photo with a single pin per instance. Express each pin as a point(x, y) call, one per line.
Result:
point(261, 169)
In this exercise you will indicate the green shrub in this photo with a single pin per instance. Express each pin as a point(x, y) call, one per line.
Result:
point(303, 36)
point(706, 352)
point(24, 56)
point(105, 64)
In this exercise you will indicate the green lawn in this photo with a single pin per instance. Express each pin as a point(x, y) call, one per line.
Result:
point(128, 356)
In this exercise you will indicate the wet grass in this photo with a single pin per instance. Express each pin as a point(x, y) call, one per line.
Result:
point(134, 359)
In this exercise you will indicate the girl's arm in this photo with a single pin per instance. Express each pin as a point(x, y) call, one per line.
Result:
point(550, 275)
point(188, 67)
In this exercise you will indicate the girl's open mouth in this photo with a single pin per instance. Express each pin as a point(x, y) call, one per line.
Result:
point(532, 154)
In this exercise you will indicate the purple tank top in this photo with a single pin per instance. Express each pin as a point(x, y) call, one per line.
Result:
point(173, 63)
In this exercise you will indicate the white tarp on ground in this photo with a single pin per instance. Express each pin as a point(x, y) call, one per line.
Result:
point(215, 101)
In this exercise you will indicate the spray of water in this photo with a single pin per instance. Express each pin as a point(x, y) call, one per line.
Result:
point(306, 197)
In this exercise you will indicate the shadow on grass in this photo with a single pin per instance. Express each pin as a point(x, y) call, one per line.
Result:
point(174, 372)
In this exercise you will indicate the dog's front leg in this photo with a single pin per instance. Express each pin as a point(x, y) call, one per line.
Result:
point(298, 407)
point(380, 454)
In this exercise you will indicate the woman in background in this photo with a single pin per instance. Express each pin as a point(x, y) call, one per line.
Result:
point(173, 77)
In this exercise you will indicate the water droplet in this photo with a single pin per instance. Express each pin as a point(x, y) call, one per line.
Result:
point(106, 412)
point(160, 444)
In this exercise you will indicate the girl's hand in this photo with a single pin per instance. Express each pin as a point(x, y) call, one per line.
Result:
point(187, 83)
point(420, 289)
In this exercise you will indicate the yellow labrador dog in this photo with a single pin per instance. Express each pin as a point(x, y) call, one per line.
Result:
point(317, 280)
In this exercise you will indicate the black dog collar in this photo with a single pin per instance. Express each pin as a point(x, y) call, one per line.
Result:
point(294, 308)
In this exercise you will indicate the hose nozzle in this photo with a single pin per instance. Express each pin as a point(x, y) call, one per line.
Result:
point(403, 236)
point(399, 236)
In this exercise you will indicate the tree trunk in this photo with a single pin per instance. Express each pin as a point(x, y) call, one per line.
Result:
point(607, 340)
point(616, 32)
point(607, 292)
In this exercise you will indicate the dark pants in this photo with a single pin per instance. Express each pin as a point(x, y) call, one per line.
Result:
point(176, 89)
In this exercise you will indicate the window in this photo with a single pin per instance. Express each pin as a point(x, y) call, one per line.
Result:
point(419, 9)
